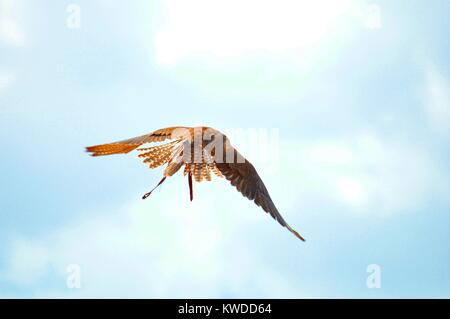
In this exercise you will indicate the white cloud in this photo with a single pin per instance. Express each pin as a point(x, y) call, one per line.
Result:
point(351, 191)
point(27, 263)
point(437, 99)
point(11, 30)
point(369, 15)
point(6, 80)
point(228, 28)
point(366, 173)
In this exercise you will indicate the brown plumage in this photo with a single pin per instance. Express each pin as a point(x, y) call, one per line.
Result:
point(191, 147)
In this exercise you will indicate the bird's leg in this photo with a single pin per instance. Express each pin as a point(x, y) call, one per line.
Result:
point(191, 192)
point(149, 193)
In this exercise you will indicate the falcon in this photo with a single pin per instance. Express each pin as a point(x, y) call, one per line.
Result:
point(204, 152)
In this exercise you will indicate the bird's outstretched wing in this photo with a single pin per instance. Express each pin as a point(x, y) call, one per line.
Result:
point(126, 146)
point(247, 181)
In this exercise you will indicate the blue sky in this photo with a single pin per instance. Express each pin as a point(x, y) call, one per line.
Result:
point(356, 95)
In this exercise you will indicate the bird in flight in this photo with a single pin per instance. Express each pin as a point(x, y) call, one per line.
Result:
point(203, 151)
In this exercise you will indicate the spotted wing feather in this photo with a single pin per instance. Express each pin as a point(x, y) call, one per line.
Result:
point(157, 155)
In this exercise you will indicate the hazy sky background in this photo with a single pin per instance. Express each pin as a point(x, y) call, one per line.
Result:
point(357, 91)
